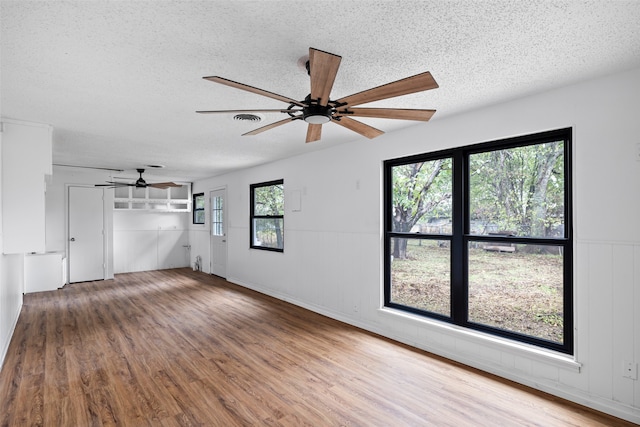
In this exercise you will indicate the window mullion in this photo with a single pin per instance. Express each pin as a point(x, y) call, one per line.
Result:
point(459, 296)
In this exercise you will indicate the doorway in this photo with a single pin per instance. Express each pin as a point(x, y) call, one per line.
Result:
point(86, 234)
point(218, 233)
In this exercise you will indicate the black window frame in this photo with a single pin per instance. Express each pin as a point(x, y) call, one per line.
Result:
point(460, 236)
point(253, 216)
point(195, 209)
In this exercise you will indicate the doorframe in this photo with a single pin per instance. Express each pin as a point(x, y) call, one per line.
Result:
point(225, 216)
point(107, 226)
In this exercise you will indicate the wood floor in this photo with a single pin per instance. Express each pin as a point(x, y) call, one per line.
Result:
point(179, 348)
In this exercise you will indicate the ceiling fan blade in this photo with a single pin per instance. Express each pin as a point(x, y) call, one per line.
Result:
point(163, 185)
point(252, 89)
point(296, 110)
point(114, 184)
point(323, 67)
point(417, 83)
point(314, 132)
point(270, 126)
point(359, 127)
point(88, 167)
point(388, 113)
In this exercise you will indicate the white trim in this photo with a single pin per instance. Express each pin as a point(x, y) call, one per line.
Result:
point(532, 352)
point(11, 331)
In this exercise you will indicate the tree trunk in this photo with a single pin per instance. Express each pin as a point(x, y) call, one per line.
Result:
point(539, 198)
point(399, 248)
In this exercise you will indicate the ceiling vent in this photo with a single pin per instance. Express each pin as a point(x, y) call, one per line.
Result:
point(247, 117)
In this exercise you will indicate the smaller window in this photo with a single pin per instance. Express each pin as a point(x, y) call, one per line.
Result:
point(217, 216)
point(198, 208)
point(267, 215)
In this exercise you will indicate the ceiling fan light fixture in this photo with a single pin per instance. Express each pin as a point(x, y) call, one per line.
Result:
point(316, 114)
point(317, 119)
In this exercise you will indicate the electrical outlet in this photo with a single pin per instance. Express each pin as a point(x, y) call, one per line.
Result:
point(630, 369)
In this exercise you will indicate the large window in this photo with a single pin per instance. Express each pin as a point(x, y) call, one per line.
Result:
point(480, 236)
point(267, 215)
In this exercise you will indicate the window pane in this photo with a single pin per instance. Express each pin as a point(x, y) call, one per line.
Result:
point(216, 229)
point(420, 274)
point(216, 203)
point(158, 193)
point(138, 192)
point(421, 200)
point(268, 232)
point(199, 217)
point(199, 201)
point(181, 192)
point(517, 288)
point(269, 200)
point(518, 191)
point(121, 192)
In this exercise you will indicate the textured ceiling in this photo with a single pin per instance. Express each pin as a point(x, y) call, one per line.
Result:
point(120, 81)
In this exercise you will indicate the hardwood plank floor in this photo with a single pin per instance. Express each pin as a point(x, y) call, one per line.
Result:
point(180, 348)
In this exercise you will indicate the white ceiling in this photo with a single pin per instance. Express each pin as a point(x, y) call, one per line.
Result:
point(120, 81)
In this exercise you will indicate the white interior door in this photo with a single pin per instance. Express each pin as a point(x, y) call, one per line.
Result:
point(218, 233)
point(86, 234)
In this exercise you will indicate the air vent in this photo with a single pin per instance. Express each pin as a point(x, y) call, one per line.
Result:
point(247, 117)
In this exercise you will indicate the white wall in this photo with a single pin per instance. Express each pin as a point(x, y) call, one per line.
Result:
point(333, 252)
point(147, 240)
point(11, 287)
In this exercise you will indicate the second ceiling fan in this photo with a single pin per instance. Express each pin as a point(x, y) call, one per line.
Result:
point(140, 183)
point(317, 108)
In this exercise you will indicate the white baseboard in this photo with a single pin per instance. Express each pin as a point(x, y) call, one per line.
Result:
point(12, 329)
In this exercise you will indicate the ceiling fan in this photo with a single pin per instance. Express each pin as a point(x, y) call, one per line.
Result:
point(140, 183)
point(317, 108)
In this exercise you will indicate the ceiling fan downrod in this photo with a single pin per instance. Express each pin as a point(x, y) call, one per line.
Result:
point(141, 182)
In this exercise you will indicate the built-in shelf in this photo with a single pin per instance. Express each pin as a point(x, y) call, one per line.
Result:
point(172, 199)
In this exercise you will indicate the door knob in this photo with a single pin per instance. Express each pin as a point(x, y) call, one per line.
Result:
point(73, 239)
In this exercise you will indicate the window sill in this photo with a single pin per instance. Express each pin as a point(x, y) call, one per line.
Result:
point(515, 348)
